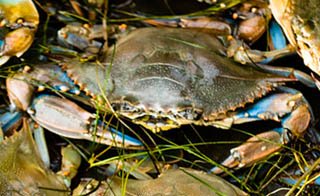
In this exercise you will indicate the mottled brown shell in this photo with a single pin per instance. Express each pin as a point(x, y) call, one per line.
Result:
point(22, 171)
point(165, 77)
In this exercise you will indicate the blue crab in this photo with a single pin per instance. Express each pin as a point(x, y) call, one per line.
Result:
point(19, 20)
point(163, 78)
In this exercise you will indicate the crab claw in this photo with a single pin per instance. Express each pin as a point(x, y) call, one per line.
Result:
point(287, 107)
point(253, 150)
point(19, 20)
point(67, 119)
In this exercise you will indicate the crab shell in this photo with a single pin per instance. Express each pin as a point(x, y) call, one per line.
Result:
point(300, 21)
point(181, 181)
point(22, 171)
point(163, 78)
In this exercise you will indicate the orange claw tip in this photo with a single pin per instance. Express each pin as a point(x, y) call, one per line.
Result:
point(229, 162)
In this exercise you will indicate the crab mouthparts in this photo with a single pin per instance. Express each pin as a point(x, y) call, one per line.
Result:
point(156, 123)
point(157, 120)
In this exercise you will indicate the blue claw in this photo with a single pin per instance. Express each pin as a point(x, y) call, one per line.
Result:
point(67, 119)
point(288, 107)
point(267, 108)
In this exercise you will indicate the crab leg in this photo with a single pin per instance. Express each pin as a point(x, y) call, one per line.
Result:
point(278, 39)
point(303, 174)
point(65, 118)
point(289, 73)
point(236, 49)
point(288, 107)
point(40, 141)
